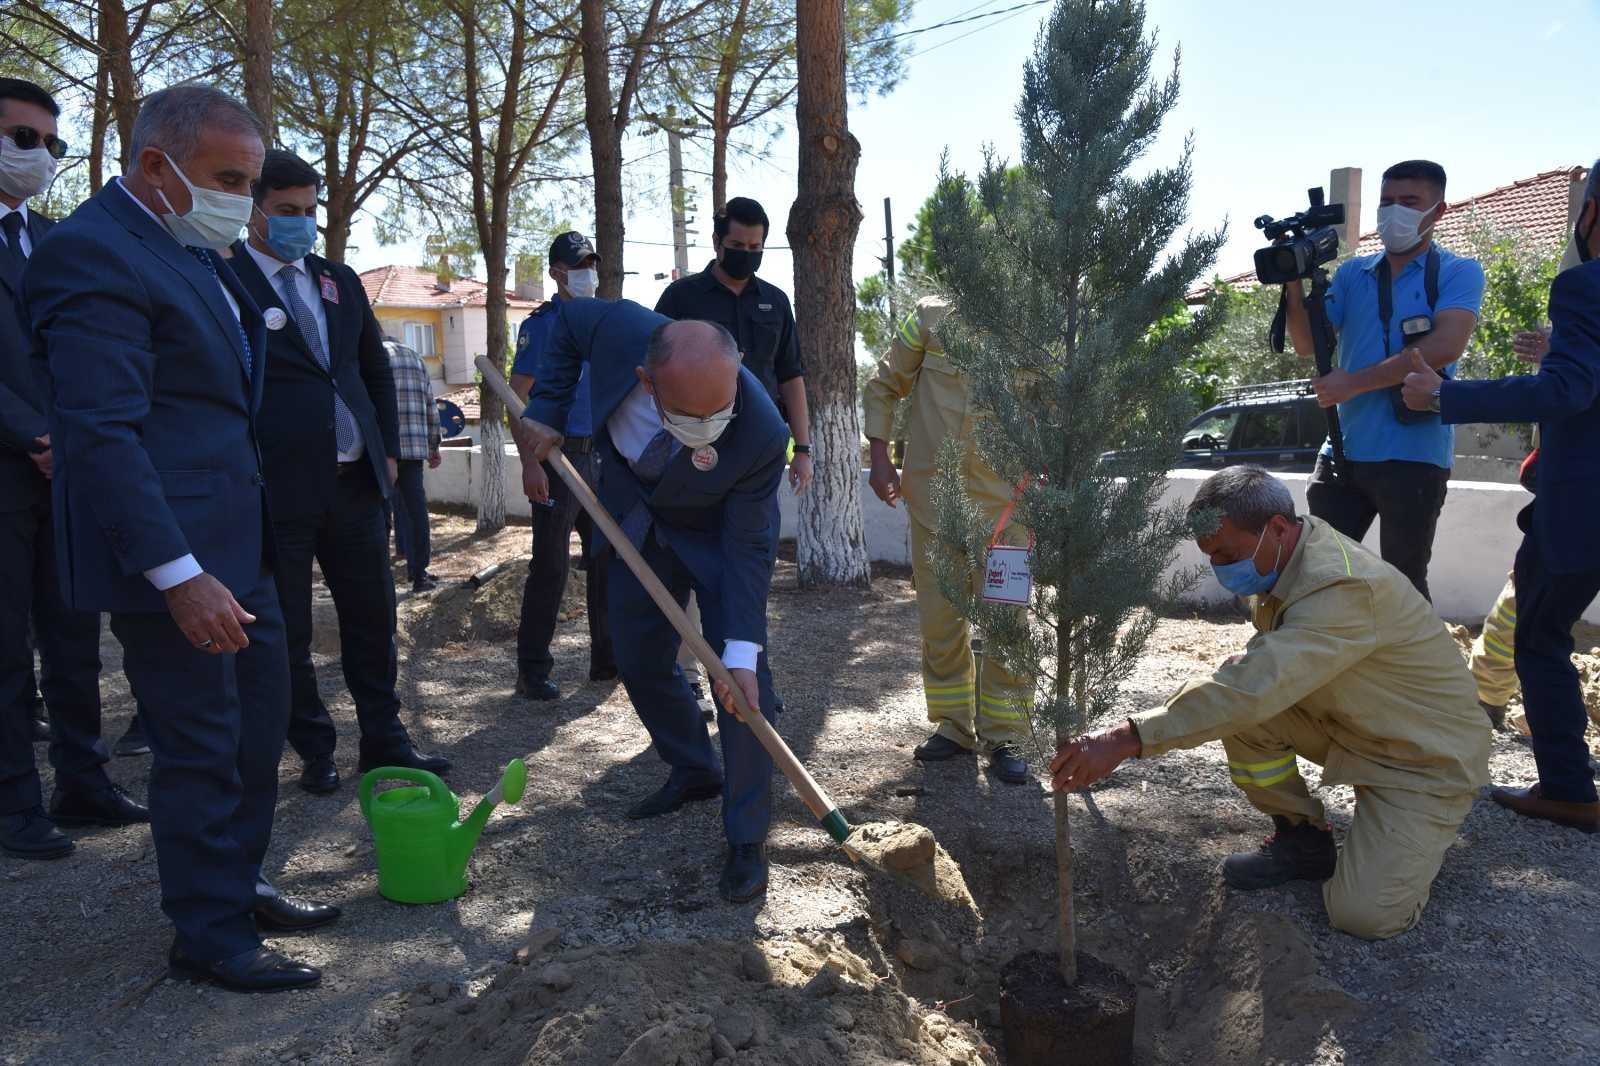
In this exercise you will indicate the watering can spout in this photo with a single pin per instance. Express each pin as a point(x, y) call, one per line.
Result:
point(464, 835)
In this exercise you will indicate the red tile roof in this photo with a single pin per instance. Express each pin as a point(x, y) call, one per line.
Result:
point(466, 398)
point(1536, 205)
point(403, 286)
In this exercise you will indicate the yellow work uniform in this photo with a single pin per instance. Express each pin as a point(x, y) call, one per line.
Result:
point(1494, 668)
point(940, 410)
point(1349, 668)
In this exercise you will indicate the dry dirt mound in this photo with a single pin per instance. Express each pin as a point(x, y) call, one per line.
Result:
point(774, 1003)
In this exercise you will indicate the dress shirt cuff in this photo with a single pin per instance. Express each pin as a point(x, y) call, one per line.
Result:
point(176, 572)
point(741, 655)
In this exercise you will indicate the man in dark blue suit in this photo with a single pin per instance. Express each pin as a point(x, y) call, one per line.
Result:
point(68, 640)
point(691, 453)
point(1557, 571)
point(156, 356)
point(329, 442)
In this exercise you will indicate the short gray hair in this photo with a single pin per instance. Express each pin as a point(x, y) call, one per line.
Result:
point(659, 350)
point(174, 118)
point(1247, 496)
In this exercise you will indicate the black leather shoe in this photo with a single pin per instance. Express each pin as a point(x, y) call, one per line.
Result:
point(41, 728)
point(672, 795)
point(938, 748)
point(1007, 763)
point(30, 835)
point(319, 776)
point(132, 742)
point(291, 914)
point(602, 673)
point(1296, 852)
point(257, 970)
point(744, 875)
point(104, 806)
point(529, 689)
point(408, 757)
point(425, 583)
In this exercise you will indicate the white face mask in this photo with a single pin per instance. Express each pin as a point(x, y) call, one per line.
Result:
point(1398, 227)
point(583, 284)
point(25, 173)
point(214, 219)
point(696, 432)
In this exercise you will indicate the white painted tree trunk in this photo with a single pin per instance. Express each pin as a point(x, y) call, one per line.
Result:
point(831, 546)
point(491, 477)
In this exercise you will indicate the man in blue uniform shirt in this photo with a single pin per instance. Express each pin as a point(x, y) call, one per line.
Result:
point(1414, 294)
point(555, 509)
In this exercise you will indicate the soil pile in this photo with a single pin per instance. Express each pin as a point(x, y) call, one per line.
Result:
point(804, 1002)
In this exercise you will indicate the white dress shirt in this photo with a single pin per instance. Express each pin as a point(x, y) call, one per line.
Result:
point(633, 425)
point(179, 570)
point(27, 241)
point(312, 298)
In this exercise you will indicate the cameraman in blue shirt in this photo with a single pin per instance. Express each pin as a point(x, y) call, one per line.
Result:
point(1413, 295)
point(573, 267)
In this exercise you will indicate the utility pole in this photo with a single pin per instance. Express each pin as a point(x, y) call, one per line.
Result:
point(680, 221)
point(888, 258)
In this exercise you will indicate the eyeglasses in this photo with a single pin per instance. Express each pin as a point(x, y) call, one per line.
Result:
point(27, 138)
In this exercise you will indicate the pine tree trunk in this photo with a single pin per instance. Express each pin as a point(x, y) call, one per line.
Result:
point(605, 145)
point(98, 126)
point(258, 62)
point(115, 44)
point(832, 546)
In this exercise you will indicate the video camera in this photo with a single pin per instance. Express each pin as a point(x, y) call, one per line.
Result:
point(1300, 243)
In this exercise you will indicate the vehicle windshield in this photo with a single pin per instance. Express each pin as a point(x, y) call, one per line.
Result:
point(1211, 431)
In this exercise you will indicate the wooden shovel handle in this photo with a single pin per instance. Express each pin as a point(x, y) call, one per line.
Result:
point(810, 792)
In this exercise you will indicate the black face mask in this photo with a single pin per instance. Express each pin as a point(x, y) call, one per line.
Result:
point(739, 263)
point(1580, 236)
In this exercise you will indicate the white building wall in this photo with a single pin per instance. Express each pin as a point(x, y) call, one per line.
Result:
point(1472, 551)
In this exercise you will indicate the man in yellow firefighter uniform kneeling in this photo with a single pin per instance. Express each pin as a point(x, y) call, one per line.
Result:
point(1349, 668)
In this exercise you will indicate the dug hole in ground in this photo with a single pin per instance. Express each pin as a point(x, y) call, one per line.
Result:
point(590, 940)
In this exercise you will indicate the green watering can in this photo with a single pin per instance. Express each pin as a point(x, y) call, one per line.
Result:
point(422, 848)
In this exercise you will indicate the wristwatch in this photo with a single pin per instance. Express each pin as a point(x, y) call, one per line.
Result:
point(802, 449)
point(1434, 395)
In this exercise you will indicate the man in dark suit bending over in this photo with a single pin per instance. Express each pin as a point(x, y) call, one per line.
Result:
point(328, 449)
point(692, 450)
point(157, 357)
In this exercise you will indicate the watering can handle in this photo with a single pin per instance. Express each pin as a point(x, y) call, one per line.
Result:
point(435, 787)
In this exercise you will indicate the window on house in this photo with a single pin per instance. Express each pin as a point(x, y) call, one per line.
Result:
point(419, 335)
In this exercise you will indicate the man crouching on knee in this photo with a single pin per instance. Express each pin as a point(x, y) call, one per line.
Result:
point(1349, 668)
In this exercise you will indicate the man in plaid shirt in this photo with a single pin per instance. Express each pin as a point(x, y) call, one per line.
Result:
point(419, 440)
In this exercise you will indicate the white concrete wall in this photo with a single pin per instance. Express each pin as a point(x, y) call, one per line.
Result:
point(1472, 551)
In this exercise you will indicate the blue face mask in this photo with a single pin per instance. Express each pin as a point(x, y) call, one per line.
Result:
point(1242, 578)
point(291, 237)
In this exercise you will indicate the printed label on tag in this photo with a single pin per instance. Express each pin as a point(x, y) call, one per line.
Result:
point(1007, 577)
point(763, 307)
point(275, 318)
point(330, 289)
point(704, 459)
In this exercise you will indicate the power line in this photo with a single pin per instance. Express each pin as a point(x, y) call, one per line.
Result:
point(1014, 12)
point(958, 21)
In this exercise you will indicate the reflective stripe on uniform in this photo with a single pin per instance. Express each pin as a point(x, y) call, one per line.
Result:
point(911, 331)
point(1496, 650)
point(948, 695)
point(995, 707)
point(1507, 615)
point(1262, 774)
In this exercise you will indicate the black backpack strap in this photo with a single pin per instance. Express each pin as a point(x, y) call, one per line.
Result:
point(1385, 300)
point(1430, 277)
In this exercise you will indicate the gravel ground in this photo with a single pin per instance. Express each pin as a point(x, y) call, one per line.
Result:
point(1501, 969)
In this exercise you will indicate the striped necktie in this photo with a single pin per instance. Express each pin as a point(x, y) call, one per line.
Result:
point(206, 261)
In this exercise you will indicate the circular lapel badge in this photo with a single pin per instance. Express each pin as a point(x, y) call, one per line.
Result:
point(704, 459)
point(275, 317)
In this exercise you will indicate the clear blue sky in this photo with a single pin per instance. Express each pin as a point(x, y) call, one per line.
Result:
point(1493, 91)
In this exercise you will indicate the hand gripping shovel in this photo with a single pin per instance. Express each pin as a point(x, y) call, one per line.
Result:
point(909, 852)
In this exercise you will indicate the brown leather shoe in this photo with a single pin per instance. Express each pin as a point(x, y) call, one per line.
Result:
point(1530, 803)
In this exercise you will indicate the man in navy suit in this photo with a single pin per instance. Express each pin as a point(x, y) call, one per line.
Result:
point(156, 355)
point(68, 640)
point(329, 443)
point(1556, 573)
point(691, 453)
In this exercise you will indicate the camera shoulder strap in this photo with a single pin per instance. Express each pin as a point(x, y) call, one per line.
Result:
point(1430, 288)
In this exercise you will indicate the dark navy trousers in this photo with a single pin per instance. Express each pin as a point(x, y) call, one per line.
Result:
point(647, 658)
point(216, 726)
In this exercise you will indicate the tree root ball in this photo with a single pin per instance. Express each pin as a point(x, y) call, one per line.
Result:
point(1047, 1023)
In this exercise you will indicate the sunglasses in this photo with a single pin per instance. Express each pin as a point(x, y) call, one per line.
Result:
point(27, 139)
